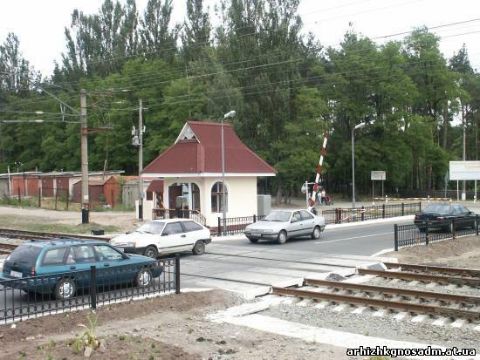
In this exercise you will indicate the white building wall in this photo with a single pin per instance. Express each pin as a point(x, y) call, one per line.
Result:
point(242, 195)
point(242, 198)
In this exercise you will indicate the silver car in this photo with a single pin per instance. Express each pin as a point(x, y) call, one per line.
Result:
point(281, 225)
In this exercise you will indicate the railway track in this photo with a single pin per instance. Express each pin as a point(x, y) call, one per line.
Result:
point(427, 269)
point(436, 304)
point(31, 235)
point(7, 247)
point(432, 278)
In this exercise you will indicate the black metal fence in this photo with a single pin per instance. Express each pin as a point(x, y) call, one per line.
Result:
point(31, 297)
point(232, 226)
point(383, 211)
point(179, 213)
point(433, 231)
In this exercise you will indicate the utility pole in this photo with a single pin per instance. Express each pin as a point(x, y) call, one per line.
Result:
point(140, 160)
point(464, 157)
point(84, 155)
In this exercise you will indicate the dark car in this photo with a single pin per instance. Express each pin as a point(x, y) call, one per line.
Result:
point(61, 267)
point(445, 217)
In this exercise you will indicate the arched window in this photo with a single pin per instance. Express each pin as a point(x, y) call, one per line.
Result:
point(217, 197)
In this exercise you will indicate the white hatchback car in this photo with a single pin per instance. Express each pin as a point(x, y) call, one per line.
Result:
point(166, 236)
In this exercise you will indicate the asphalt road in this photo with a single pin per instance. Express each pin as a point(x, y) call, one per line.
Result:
point(241, 266)
point(356, 239)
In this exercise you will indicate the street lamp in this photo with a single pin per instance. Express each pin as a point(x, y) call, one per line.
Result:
point(231, 114)
point(358, 126)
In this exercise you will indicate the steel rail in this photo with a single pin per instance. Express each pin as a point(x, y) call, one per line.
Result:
point(7, 248)
point(428, 268)
point(394, 291)
point(279, 260)
point(396, 305)
point(442, 279)
point(44, 235)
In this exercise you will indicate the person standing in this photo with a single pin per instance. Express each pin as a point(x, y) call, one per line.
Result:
point(323, 196)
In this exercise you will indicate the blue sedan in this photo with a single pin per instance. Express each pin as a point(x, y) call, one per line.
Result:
point(63, 266)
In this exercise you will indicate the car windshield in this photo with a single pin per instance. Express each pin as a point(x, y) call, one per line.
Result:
point(437, 209)
point(280, 216)
point(154, 227)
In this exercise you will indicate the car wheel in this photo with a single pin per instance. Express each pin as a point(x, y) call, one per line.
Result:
point(65, 289)
point(282, 237)
point(316, 233)
point(151, 251)
point(199, 248)
point(144, 278)
point(253, 240)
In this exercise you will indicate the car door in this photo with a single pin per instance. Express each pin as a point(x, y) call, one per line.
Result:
point(81, 258)
point(463, 217)
point(173, 238)
point(109, 265)
point(193, 232)
point(308, 222)
point(296, 225)
point(53, 262)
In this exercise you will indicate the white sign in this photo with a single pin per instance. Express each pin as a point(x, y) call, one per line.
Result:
point(379, 175)
point(464, 170)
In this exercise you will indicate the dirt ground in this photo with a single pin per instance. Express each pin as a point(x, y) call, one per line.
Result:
point(461, 252)
point(18, 218)
point(168, 327)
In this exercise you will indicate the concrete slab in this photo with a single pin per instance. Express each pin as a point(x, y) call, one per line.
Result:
point(340, 308)
point(458, 323)
point(401, 316)
point(312, 334)
point(379, 313)
point(419, 318)
point(359, 310)
point(442, 321)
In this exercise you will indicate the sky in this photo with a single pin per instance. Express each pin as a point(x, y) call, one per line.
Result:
point(40, 24)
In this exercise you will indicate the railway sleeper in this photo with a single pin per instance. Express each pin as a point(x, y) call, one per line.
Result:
point(376, 303)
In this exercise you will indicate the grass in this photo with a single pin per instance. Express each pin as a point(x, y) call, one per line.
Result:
point(34, 224)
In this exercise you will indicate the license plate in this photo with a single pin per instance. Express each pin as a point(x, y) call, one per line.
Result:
point(255, 234)
point(16, 274)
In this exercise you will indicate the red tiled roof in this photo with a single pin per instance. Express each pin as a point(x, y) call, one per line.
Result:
point(204, 155)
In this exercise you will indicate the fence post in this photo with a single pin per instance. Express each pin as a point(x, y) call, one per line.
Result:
point(254, 218)
point(383, 211)
point(93, 287)
point(363, 213)
point(395, 234)
point(219, 231)
point(403, 209)
point(426, 233)
point(39, 198)
point(454, 235)
point(476, 225)
point(177, 274)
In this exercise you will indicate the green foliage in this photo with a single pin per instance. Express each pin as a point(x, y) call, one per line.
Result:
point(88, 338)
point(286, 89)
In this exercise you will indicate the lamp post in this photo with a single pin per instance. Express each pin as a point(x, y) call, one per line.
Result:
point(231, 114)
point(358, 126)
